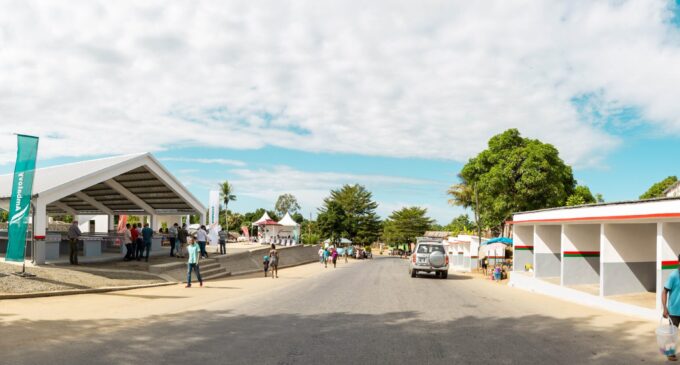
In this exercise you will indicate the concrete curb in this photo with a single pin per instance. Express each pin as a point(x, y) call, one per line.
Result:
point(81, 291)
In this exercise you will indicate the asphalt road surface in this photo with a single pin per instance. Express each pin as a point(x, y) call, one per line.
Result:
point(366, 312)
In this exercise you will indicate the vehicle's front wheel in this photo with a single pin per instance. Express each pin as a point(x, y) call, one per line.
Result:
point(413, 273)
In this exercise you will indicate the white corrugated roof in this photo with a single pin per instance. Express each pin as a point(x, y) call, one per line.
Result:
point(48, 178)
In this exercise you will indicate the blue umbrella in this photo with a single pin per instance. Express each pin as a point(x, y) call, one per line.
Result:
point(505, 240)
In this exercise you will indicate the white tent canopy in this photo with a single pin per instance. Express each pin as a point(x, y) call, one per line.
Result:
point(130, 184)
point(342, 241)
point(287, 221)
point(265, 217)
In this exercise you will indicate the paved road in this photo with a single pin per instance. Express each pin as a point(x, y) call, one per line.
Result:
point(367, 312)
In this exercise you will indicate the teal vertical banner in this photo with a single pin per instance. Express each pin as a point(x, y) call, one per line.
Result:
point(22, 190)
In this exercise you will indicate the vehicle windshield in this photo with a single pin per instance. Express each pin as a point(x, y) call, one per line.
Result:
point(430, 248)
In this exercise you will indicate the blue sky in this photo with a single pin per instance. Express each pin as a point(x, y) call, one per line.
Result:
point(301, 99)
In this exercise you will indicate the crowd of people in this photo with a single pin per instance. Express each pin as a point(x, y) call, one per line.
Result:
point(330, 253)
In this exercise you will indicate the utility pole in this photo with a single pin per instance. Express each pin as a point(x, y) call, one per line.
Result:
point(477, 217)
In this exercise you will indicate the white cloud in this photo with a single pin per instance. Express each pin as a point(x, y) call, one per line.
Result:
point(208, 161)
point(310, 188)
point(431, 79)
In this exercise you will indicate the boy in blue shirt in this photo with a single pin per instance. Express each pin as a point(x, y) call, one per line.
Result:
point(670, 298)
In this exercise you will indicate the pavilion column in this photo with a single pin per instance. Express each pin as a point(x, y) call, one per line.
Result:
point(39, 231)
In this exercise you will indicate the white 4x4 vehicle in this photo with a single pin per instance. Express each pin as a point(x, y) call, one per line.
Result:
point(429, 256)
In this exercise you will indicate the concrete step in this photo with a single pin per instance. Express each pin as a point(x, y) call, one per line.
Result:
point(180, 264)
point(213, 271)
point(217, 275)
point(209, 265)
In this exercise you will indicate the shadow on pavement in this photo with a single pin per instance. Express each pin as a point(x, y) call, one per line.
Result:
point(221, 337)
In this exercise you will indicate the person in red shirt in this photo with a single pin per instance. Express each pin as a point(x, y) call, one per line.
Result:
point(135, 234)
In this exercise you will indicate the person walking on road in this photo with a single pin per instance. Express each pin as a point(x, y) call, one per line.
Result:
point(202, 238)
point(127, 241)
point(172, 237)
point(274, 261)
point(194, 252)
point(334, 256)
point(670, 300)
point(147, 234)
point(321, 255)
point(73, 235)
point(326, 253)
point(346, 254)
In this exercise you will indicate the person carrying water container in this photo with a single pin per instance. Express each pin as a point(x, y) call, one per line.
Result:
point(670, 299)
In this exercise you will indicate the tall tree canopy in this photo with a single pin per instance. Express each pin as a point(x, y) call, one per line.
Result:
point(405, 224)
point(332, 221)
point(286, 203)
point(517, 174)
point(581, 195)
point(361, 224)
point(656, 190)
point(460, 224)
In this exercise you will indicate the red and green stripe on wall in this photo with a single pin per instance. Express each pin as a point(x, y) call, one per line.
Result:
point(669, 265)
point(581, 253)
point(524, 248)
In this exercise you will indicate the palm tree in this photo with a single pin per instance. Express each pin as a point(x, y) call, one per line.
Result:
point(461, 194)
point(227, 195)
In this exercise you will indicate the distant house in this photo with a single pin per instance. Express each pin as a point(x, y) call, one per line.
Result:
point(438, 234)
point(672, 191)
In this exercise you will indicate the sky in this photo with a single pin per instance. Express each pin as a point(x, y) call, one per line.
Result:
point(302, 97)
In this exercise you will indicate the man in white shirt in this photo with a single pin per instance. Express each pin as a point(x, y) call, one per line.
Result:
point(202, 238)
point(127, 241)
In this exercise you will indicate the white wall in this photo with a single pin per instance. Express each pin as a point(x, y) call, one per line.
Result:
point(523, 235)
point(581, 237)
point(101, 223)
point(547, 239)
point(670, 241)
point(629, 243)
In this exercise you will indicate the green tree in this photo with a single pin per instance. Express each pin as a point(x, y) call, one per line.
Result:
point(309, 232)
point(517, 174)
point(406, 224)
point(227, 195)
point(4, 216)
point(286, 203)
point(460, 224)
point(656, 190)
point(362, 224)
point(581, 195)
point(332, 221)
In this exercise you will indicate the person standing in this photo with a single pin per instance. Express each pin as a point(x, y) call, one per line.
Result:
point(202, 238)
point(147, 234)
point(73, 235)
point(134, 234)
point(346, 254)
point(274, 261)
point(265, 264)
point(670, 300)
point(172, 237)
point(223, 242)
point(193, 252)
point(321, 255)
point(140, 242)
point(182, 235)
point(334, 256)
point(127, 240)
